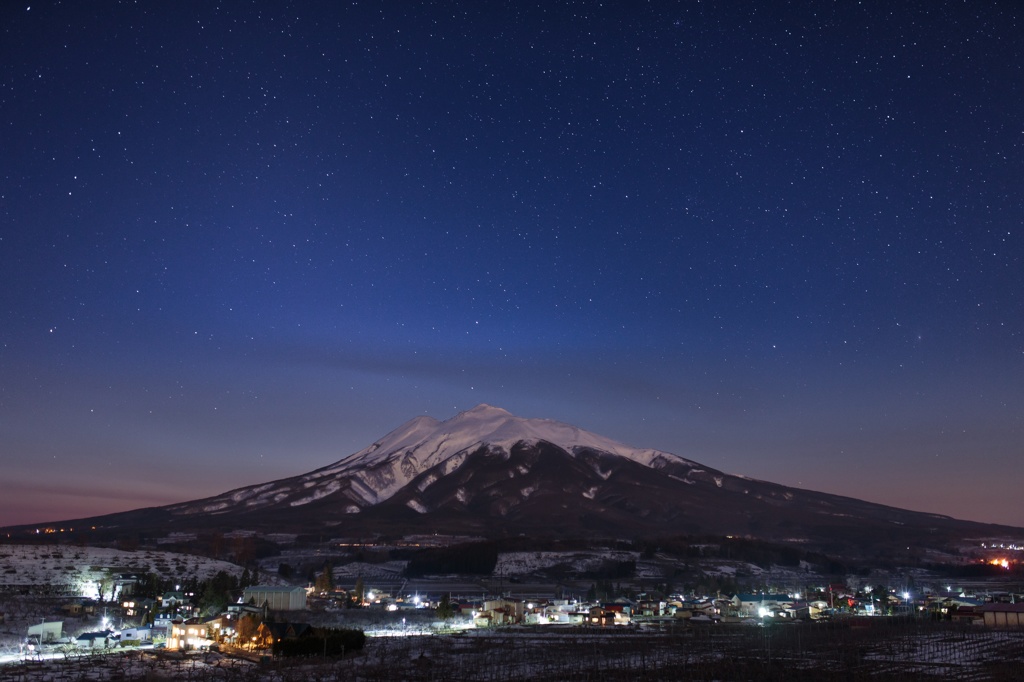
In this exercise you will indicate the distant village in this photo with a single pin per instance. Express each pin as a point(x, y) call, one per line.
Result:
point(262, 620)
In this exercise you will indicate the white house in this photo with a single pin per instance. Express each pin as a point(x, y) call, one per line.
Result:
point(46, 633)
point(759, 605)
point(137, 635)
point(94, 640)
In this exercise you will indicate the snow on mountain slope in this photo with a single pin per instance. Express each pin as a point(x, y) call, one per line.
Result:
point(378, 472)
point(488, 473)
point(423, 443)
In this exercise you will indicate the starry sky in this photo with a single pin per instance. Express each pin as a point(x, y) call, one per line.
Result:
point(241, 242)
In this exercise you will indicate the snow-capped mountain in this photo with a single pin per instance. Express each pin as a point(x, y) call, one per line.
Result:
point(486, 472)
point(425, 450)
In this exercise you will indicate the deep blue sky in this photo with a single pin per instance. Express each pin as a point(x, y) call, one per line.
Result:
point(782, 239)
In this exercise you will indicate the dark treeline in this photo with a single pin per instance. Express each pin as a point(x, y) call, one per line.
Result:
point(476, 558)
point(322, 642)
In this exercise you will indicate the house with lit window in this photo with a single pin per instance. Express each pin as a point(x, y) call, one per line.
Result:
point(190, 634)
point(760, 605)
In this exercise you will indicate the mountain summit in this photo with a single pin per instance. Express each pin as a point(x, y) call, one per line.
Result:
point(486, 472)
point(425, 450)
point(426, 441)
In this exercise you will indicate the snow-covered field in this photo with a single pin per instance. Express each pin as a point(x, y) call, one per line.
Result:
point(388, 570)
point(132, 665)
point(913, 652)
point(524, 563)
point(75, 570)
point(653, 569)
point(923, 654)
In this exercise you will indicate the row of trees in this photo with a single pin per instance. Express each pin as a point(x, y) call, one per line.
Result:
point(321, 642)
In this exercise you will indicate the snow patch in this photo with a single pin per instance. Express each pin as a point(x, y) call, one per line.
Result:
point(328, 489)
point(519, 563)
point(249, 492)
point(454, 462)
point(364, 491)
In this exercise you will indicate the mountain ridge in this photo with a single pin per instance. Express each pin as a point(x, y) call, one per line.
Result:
point(380, 470)
point(486, 472)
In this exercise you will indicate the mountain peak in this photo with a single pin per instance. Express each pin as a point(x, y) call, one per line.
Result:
point(426, 449)
point(424, 442)
point(484, 408)
point(479, 415)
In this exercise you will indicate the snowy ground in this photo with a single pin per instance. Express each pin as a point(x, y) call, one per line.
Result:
point(76, 570)
point(660, 568)
point(388, 570)
point(525, 563)
point(909, 652)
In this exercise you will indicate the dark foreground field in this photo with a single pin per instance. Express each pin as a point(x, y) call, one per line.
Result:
point(881, 650)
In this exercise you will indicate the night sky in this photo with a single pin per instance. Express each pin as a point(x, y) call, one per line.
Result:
point(784, 240)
